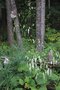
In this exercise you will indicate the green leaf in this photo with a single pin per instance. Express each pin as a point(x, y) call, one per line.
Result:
point(21, 81)
point(27, 79)
point(14, 81)
point(32, 83)
point(32, 88)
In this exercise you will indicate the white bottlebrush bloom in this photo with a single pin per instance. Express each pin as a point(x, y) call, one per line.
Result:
point(46, 66)
point(57, 54)
point(27, 57)
point(32, 7)
point(29, 66)
point(37, 75)
point(35, 59)
point(51, 62)
point(32, 24)
point(28, 30)
point(49, 71)
point(5, 59)
point(43, 75)
point(23, 26)
point(40, 60)
point(33, 40)
point(56, 61)
point(32, 63)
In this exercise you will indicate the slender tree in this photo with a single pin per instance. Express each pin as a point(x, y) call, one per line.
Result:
point(0, 23)
point(40, 23)
point(16, 22)
point(49, 4)
point(9, 23)
point(0, 12)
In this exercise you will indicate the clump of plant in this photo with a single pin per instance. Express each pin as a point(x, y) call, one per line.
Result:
point(17, 75)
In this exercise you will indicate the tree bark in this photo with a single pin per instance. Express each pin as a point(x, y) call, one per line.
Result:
point(0, 12)
point(48, 4)
point(9, 23)
point(40, 24)
point(16, 23)
point(0, 24)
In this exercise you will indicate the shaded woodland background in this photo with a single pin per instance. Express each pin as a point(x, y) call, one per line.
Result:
point(29, 44)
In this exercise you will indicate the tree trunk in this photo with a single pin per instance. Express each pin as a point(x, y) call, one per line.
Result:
point(16, 23)
point(48, 4)
point(0, 13)
point(0, 24)
point(40, 24)
point(9, 23)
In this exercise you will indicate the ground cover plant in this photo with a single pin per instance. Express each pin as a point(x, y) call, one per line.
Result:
point(21, 72)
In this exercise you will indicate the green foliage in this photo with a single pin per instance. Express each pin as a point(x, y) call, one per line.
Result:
point(52, 38)
point(16, 74)
point(58, 87)
point(52, 35)
point(53, 77)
